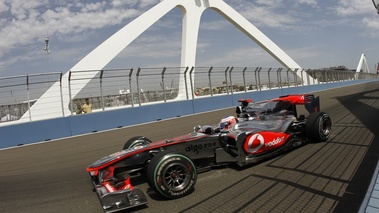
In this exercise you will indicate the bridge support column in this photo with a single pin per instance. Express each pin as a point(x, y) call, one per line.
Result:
point(109, 49)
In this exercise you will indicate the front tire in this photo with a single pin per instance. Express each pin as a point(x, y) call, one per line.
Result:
point(318, 126)
point(171, 175)
point(136, 141)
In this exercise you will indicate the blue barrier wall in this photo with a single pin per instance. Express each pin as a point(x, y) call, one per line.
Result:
point(38, 131)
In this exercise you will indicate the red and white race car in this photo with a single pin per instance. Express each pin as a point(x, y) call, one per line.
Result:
point(258, 131)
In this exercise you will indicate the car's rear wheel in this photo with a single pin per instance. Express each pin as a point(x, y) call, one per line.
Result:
point(136, 141)
point(171, 175)
point(318, 126)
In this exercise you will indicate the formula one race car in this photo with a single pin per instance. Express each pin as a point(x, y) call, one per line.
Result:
point(259, 131)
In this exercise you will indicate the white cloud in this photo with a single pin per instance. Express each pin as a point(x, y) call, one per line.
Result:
point(72, 23)
point(373, 24)
point(147, 3)
point(28, 21)
point(360, 15)
point(3, 7)
point(93, 7)
point(309, 2)
point(274, 14)
point(353, 7)
point(273, 3)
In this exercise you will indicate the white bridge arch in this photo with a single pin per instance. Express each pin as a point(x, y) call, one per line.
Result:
point(362, 65)
point(192, 10)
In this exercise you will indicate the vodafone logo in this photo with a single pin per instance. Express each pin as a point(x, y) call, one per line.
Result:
point(275, 141)
point(255, 142)
point(264, 141)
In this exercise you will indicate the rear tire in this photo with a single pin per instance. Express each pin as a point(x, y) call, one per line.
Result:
point(171, 175)
point(318, 126)
point(136, 141)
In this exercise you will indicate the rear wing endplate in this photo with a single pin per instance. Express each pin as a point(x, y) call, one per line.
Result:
point(312, 103)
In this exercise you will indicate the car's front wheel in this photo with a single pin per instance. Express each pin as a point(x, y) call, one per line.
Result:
point(318, 126)
point(136, 141)
point(171, 175)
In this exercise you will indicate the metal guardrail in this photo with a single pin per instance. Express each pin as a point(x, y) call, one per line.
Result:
point(129, 87)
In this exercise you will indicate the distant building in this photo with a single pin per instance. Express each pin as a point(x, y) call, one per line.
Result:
point(329, 74)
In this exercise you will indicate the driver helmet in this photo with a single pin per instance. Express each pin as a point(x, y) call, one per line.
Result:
point(227, 122)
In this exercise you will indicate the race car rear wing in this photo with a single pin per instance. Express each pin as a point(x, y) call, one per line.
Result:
point(242, 108)
point(310, 102)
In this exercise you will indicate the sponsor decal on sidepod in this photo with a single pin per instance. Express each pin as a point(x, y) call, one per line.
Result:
point(257, 141)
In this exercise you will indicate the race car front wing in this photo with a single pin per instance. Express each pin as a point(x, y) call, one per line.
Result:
point(120, 199)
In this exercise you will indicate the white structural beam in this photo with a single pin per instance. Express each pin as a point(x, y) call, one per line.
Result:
point(362, 65)
point(190, 31)
point(192, 10)
point(96, 60)
point(254, 33)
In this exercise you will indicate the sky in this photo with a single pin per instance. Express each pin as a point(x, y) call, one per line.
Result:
point(315, 34)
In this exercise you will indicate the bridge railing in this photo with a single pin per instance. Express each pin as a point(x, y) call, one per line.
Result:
point(19, 93)
point(130, 87)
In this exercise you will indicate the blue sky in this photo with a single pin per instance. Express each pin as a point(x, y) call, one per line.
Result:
point(315, 34)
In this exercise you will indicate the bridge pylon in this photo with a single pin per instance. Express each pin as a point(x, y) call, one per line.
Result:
point(192, 10)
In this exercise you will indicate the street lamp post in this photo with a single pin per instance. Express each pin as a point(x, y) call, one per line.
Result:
point(47, 51)
point(47, 57)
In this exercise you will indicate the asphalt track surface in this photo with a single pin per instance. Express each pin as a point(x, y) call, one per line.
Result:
point(324, 177)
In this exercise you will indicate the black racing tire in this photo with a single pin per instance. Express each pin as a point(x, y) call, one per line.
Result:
point(318, 127)
point(136, 141)
point(171, 175)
